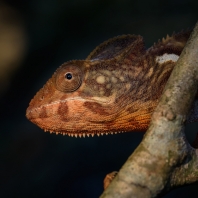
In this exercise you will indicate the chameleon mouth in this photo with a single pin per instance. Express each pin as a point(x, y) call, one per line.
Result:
point(59, 117)
point(66, 123)
point(46, 120)
point(83, 134)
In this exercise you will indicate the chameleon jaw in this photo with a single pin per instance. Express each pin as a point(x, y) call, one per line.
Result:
point(75, 125)
point(83, 134)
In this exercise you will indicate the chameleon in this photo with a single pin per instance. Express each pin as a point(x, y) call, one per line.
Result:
point(115, 89)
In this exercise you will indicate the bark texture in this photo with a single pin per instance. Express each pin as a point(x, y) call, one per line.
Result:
point(164, 159)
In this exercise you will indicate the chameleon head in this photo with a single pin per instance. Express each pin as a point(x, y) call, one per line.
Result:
point(77, 100)
point(89, 97)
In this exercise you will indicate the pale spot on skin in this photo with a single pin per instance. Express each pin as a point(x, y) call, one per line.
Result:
point(113, 79)
point(100, 79)
point(102, 92)
point(167, 57)
point(128, 86)
point(108, 86)
point(122, 78)
point(150, 72)
point(107, 72)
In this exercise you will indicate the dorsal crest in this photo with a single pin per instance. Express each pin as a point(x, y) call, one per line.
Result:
point(171, 44)
point(118, 47)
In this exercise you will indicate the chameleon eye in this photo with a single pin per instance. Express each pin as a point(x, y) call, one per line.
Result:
point(68, 78)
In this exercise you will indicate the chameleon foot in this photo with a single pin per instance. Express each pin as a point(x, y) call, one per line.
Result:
point(108, 179)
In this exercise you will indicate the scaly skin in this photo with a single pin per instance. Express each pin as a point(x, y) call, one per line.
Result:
point(114, 90)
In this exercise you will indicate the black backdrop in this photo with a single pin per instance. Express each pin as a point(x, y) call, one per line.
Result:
point(37, 164)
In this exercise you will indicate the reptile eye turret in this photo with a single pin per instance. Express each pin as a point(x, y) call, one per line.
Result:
point(68, 78)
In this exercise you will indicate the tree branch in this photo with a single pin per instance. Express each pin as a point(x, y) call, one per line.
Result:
point(164, 159)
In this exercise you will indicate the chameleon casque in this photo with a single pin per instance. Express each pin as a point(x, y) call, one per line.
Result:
point(115, 89)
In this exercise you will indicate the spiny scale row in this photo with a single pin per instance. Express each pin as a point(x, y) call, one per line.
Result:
point(162, 40)
point(84, 134)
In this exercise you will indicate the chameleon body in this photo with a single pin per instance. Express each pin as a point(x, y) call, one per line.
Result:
point(115, 89)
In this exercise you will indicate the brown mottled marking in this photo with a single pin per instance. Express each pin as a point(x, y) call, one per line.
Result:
point(132, 109)
point(43, 112)
point(96, 108)
point(63, 111)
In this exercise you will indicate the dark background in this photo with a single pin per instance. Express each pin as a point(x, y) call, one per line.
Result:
point(37, 164)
